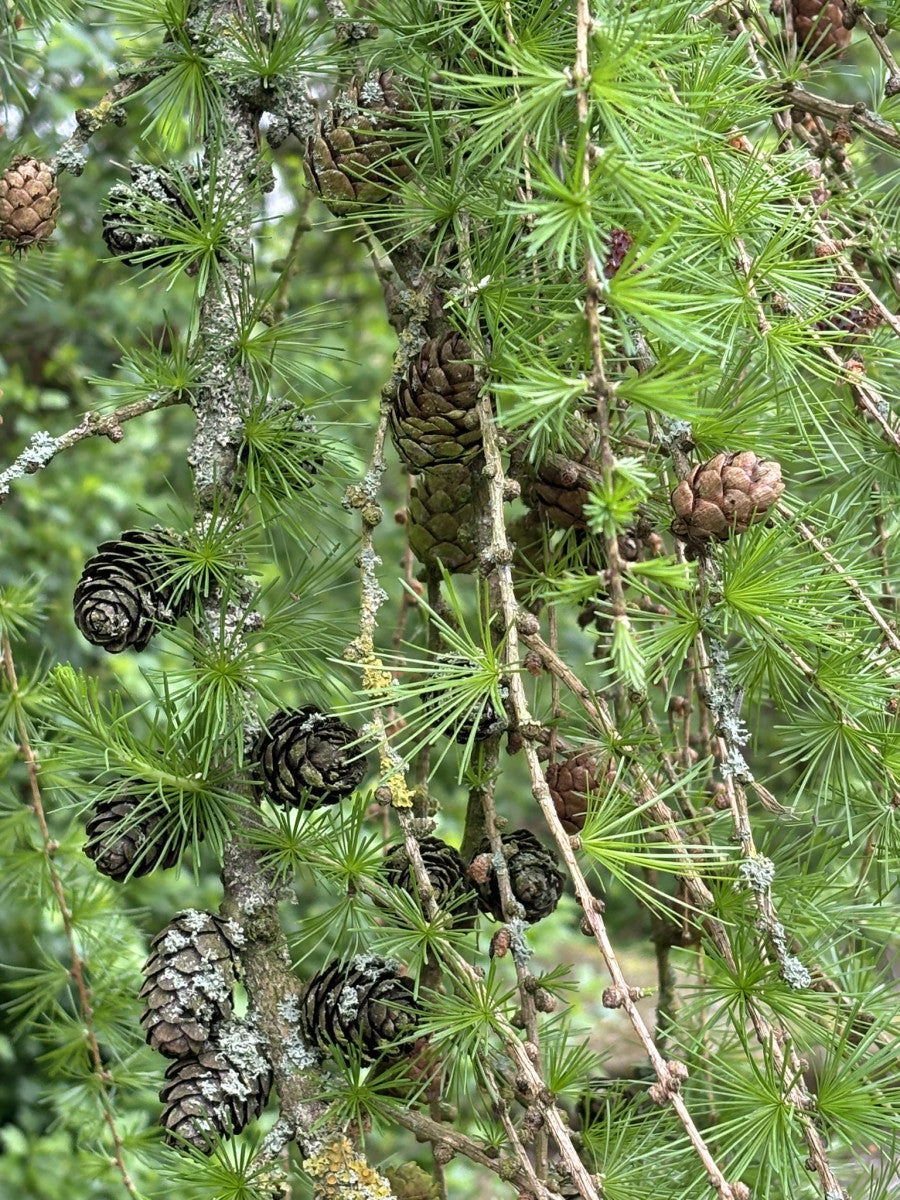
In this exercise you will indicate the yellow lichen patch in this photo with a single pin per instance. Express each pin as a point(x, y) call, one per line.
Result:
point(338, 1173)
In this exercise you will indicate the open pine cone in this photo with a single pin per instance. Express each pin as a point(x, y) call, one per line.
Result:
point(819, 27)
point(122, 595)
point(29, 202)
point(188, 983)
point(353, 159)
point(121, 843)
point(363, 1003)
point(132, 211)
point(725, 495)
point(534, 877)
point(216, 1093)
point(444, 866)
point(571, 780)
point(308, 758)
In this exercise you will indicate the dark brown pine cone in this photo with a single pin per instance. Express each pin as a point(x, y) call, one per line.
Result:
point(725, 495)
point(308, 758)
point(133, 210)
point(29, 202)
point(819, 27)
point(445, 869)
point(218, 1092)
point(433, 419)
point(534, 877)
point(189, 982)
point(354, 159)
point(442, 518)
point(363, 1003)
point(848, 317)
point(570, 781)
point(122, 595)
point(123, 839)
point(482, 720)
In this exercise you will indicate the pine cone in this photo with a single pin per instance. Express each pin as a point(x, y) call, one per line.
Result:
point(218, 1092)
point(29, 202)
point(354, 159)
point(483, 717)
point(819, 27)
point(725, 495)
point(122, 844)
point(133, 210)
point(433, 420)
point(620, 242)
point(442, 518)
point(570, 781)
point(189, 982)
point(363, 1003)
point(534, 878)
point(847, 318)
point(308, 758)
point(559, 486)
point(122, 595)
point(446, 873)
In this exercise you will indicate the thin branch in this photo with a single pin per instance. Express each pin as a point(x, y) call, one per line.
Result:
point(76, 971)
point(44, 447)
point(856, 115)
point(71, 154)
point(669, 1075)
point(890, 634)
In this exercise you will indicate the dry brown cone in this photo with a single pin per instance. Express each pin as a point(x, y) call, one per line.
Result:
point(819, 28)
point(559, 486)
point(571, 781)
point(725, 495)
point(434, 418)
point(29, 202)
point(354, 158)
point(442, 518)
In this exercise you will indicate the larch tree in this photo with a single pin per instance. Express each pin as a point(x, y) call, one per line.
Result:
point(448, 610)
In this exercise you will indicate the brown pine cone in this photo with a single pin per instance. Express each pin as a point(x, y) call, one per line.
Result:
point(534, 877)
point(725, 495)
point(444, 867)
point(363, 1004)
point(123, 595)
point(218, 1092)
point(433, 420)
point(559, 485)
point(819, 27)
point(442, 518)
point(309, 758)
point(354, 159)
point(189, 982)
point(29, 202)
point(571, 780)
point(125, 838)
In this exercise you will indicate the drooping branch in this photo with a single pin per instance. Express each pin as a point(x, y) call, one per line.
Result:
point(78, 964)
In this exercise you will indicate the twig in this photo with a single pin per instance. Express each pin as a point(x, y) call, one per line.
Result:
point(856, 115)
point(70, 156)
point(669, 1075)
point(807, 534)
point(44, 447)
point(76, 970)
point(865, 22)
